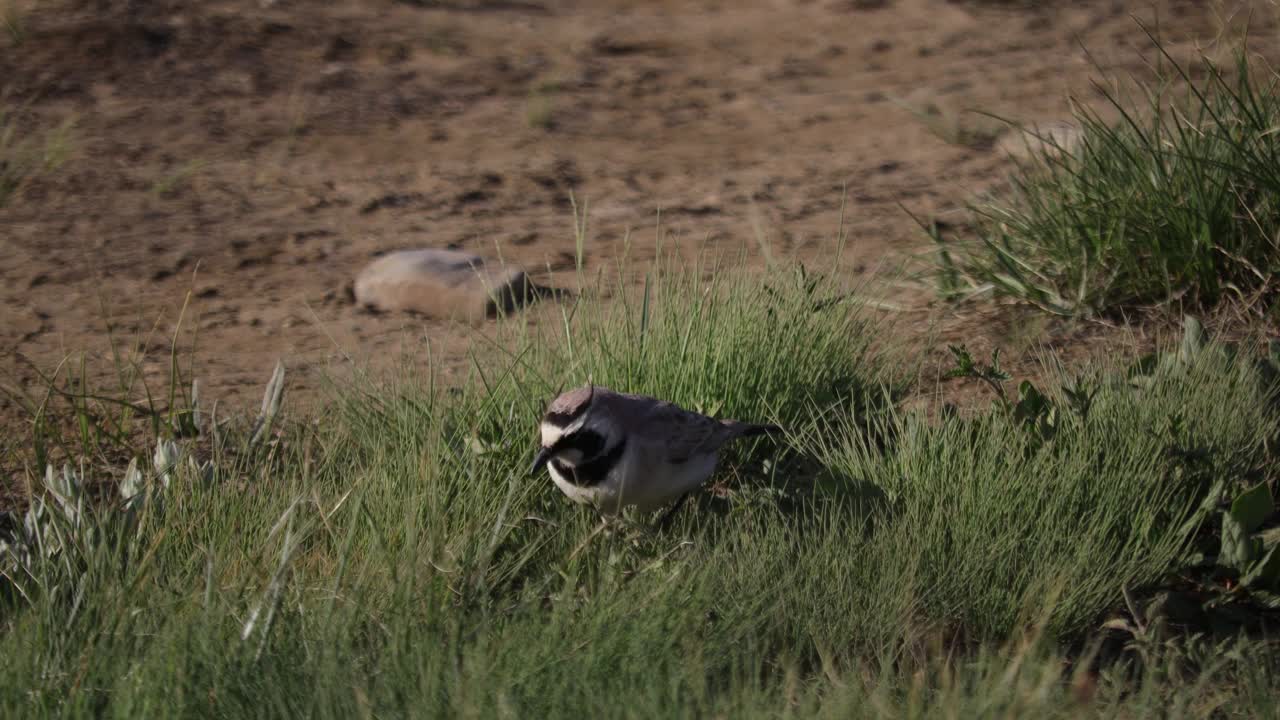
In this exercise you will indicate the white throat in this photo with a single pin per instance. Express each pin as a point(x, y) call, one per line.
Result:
point(551, 434)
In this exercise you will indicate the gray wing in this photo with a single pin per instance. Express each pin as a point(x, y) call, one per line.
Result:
point(683, 432)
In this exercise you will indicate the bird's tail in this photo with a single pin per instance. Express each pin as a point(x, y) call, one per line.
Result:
point(745, 429)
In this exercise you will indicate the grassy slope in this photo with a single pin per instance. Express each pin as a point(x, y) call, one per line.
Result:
point(390, 558)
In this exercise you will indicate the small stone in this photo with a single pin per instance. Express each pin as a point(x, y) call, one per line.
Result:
point(443, 284)
point(233, 83)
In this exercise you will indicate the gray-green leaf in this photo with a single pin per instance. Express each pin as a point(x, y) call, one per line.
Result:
point(1238, 550)
point(1192, 339)
point(1265, 573)
point(1253, 506)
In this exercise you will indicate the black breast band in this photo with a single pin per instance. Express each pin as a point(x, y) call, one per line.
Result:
point(593, 471)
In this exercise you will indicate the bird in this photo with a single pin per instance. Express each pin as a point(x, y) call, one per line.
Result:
point(613, 450)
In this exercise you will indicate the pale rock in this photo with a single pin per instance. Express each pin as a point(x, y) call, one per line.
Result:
point(444, 284)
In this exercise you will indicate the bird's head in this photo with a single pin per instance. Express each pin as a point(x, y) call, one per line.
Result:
point(574, 429)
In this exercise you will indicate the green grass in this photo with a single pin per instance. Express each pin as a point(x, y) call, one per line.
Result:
point(25, 155)
point(14, 22)
point(390, 558)
point(1175, 201)
point(540, 108)
point(177, 179)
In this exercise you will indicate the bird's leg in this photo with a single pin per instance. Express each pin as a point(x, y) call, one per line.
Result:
point(665, 520)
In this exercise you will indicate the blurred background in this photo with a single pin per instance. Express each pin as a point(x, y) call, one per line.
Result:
point(252, 156)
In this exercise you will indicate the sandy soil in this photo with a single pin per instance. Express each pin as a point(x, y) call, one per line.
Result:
point(257, 154)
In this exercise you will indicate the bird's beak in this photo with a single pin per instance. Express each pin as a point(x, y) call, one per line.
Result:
point(544, 455)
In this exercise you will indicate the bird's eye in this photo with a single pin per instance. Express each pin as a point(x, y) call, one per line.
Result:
point(587, 442)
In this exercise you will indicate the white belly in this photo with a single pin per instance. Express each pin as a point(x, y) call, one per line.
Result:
point(630, 484)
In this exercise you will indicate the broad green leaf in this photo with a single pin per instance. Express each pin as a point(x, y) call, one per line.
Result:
point(1145, 365)
point(1237, 547)
point(1265, 573)
point(1192, 339)
point(1266, 599)
point(1253, 506)
point(1031, 403)
point(131, 485)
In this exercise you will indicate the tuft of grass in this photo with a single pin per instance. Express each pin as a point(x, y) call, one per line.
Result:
point(1054, 503)
point(25, 155)
point(390, 557)
point(445, 40)
point(1175, 201)
point(175, 180)
point(540, 109)
point(964, 128)
point(14, 22)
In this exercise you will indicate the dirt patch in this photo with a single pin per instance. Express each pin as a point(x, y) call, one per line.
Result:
point(257, 154)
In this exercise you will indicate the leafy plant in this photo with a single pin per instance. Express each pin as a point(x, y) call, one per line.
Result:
point(1257, 565)
point(967, 367)
point(1032, 409)
point(1243, 561)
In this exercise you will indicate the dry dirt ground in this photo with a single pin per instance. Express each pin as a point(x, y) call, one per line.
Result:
point(257, 154)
